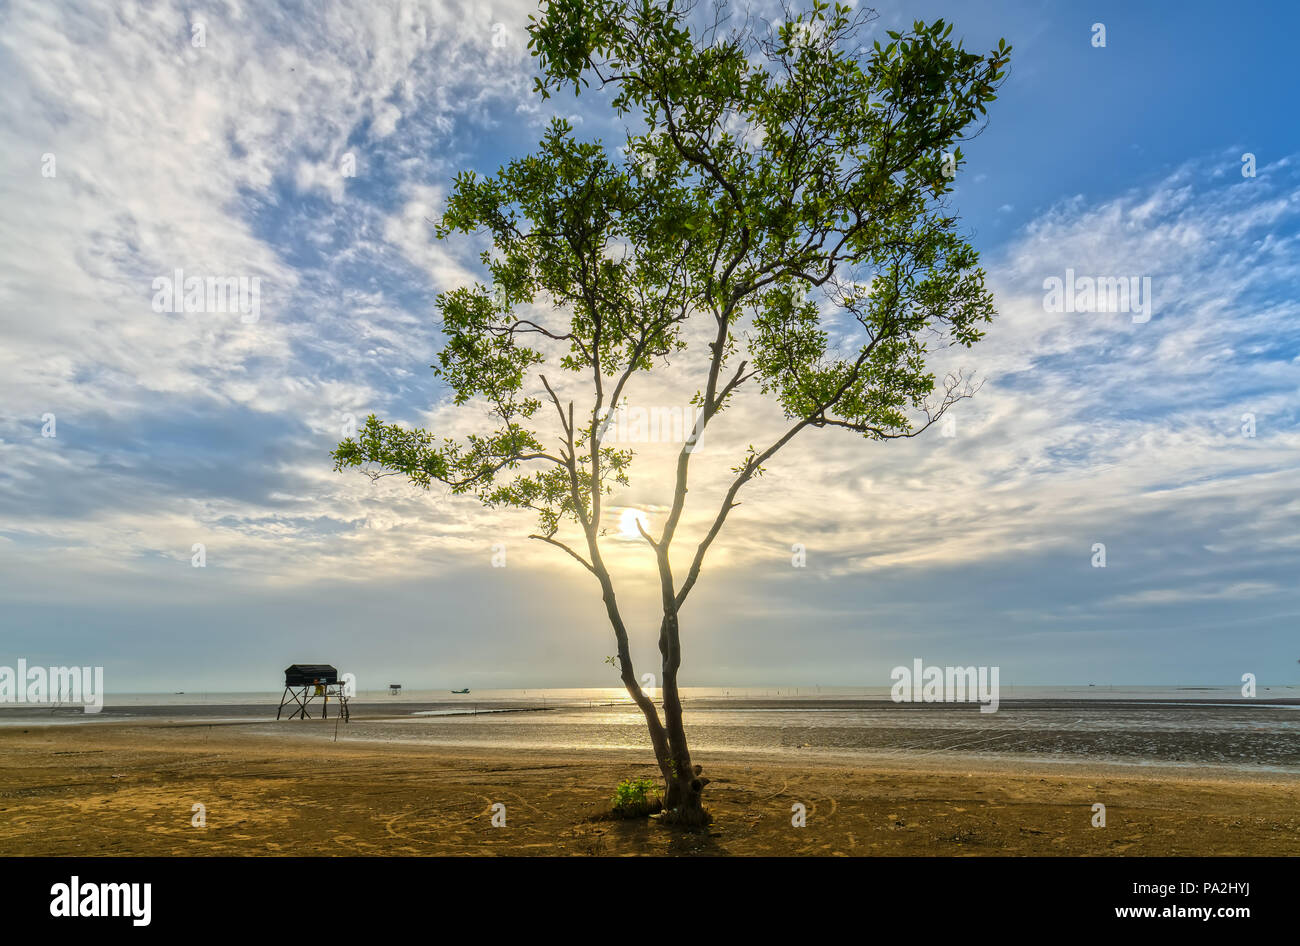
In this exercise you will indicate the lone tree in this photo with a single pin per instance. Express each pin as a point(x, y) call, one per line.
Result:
point(785, 186)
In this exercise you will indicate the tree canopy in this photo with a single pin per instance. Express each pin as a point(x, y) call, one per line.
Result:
point(780, 184)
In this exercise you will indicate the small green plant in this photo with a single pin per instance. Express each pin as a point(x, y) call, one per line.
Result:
point(636, 797)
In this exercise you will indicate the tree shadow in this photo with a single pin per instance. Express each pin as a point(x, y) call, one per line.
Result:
point(694, 842)
point(649, 836)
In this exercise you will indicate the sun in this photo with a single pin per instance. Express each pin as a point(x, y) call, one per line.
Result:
point(627, 523)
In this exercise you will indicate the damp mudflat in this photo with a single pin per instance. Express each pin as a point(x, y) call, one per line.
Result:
point(1166, 726)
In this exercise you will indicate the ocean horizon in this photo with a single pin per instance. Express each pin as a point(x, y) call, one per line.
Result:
point(561, 695)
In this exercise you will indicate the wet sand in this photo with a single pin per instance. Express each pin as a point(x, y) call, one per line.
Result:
point(116, 788)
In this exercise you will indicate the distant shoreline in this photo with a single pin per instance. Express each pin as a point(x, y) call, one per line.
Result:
point(401, 708)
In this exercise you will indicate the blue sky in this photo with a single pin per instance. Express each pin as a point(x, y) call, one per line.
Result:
point(181, 428)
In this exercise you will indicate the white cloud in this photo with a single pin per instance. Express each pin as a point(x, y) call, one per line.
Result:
point(167, 156)
point(1089, 426)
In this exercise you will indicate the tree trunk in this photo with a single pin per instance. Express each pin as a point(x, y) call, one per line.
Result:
point(683, 785)
point(658, 738)
point(683, 802)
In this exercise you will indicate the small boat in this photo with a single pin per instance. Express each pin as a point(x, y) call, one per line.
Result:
point(466, 690)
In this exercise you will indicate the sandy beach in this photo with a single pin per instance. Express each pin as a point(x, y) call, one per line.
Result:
point(117, 788)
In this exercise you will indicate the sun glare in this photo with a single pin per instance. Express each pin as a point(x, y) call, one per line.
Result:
point(627, 523)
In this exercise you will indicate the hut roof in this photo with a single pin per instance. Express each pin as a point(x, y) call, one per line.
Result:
point(306, 674)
